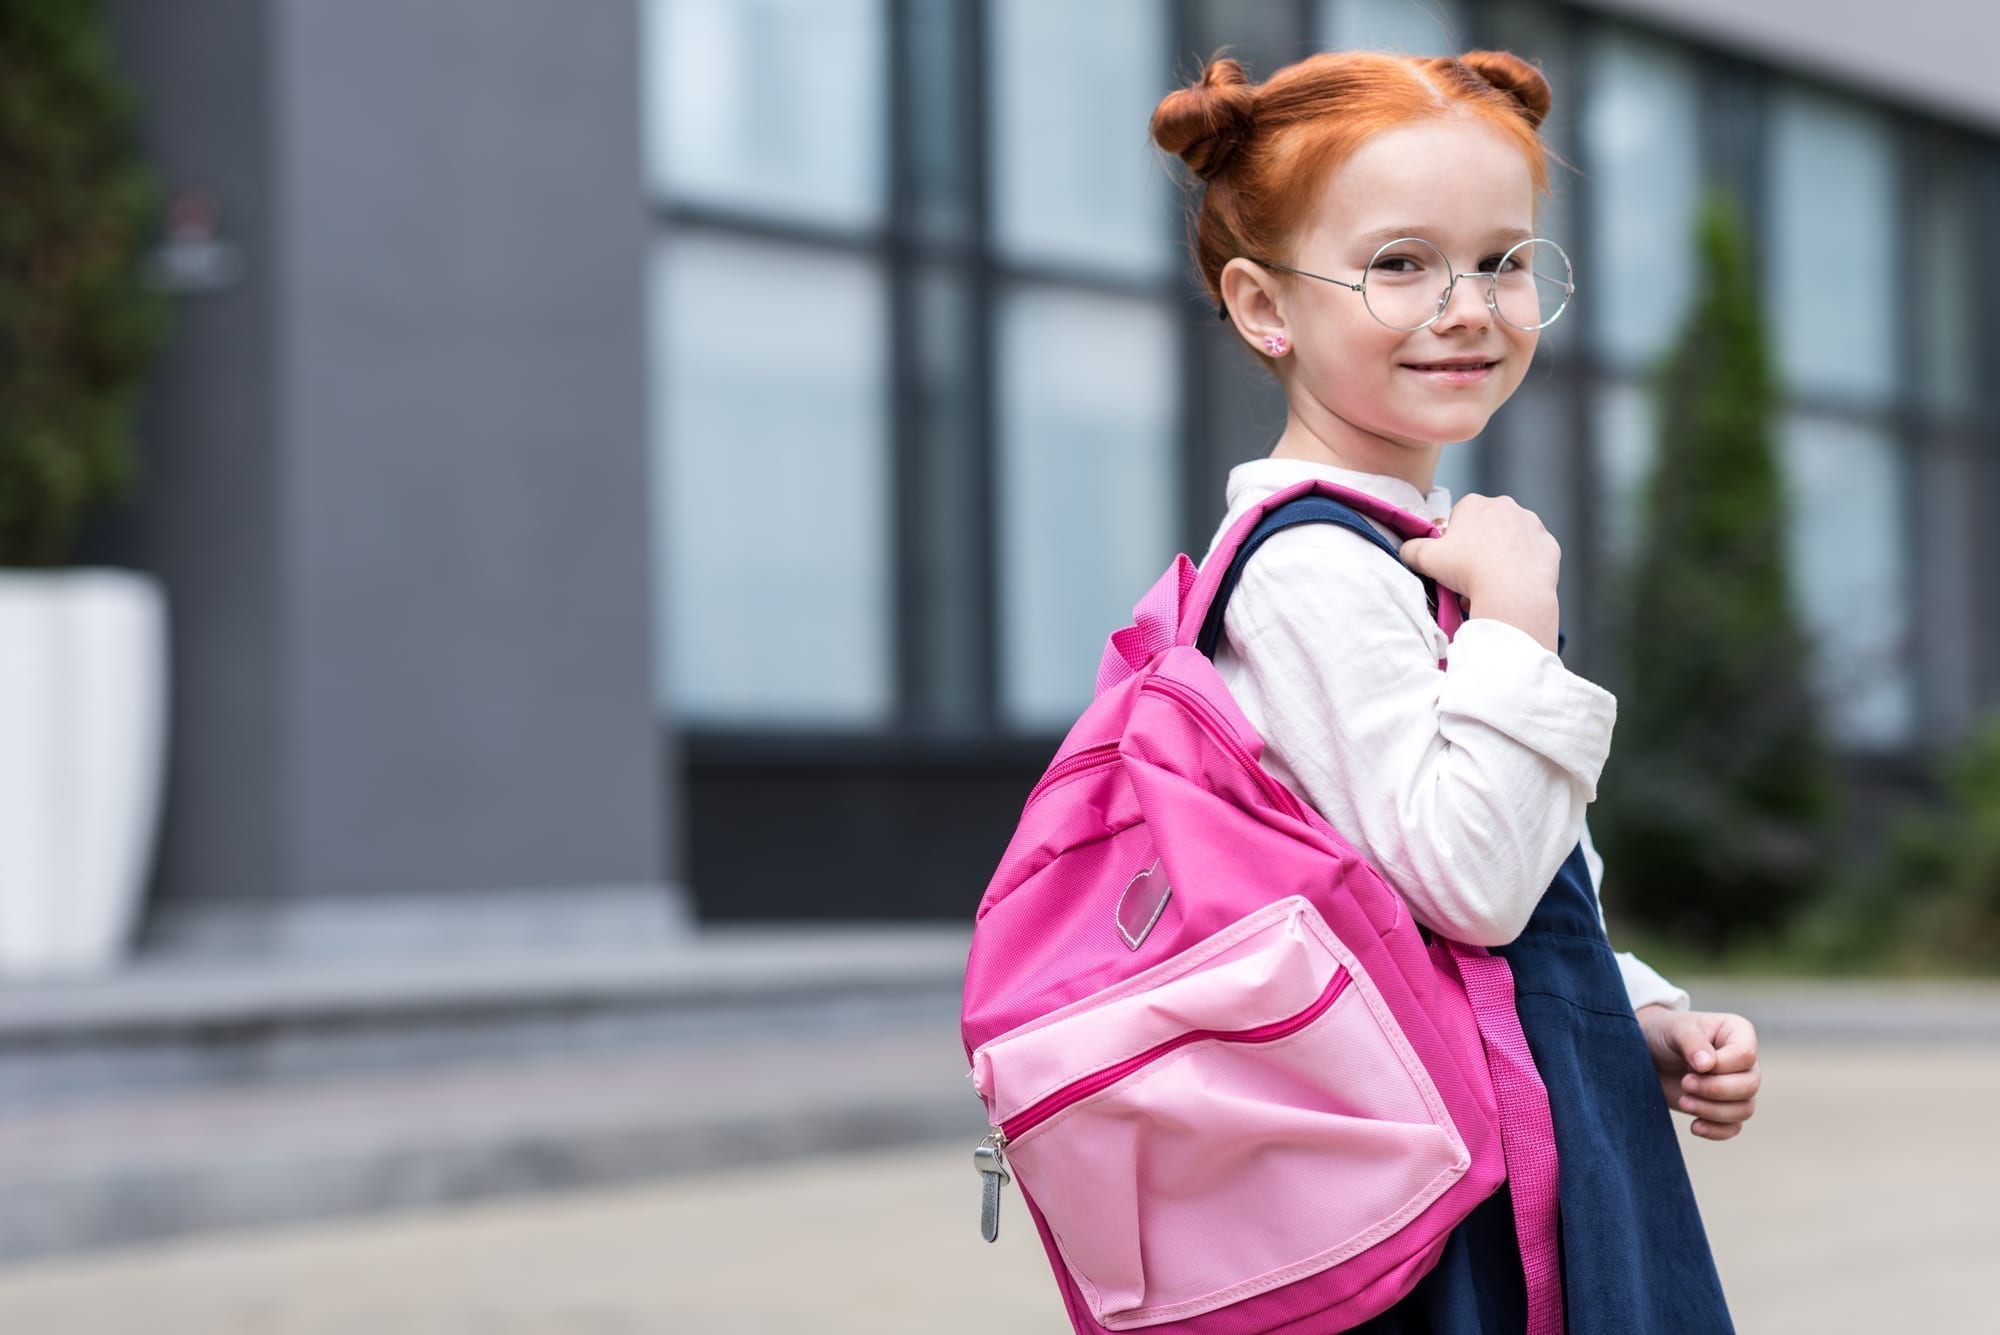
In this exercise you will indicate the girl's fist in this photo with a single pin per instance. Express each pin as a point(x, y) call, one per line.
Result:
point(1708, 1066)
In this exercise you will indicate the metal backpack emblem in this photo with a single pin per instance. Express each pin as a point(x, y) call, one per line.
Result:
point(1145, 898)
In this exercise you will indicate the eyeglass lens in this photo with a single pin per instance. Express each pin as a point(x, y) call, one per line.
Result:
point(1409, 281)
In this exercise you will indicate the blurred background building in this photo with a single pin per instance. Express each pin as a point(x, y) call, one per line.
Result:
point(683, 458)
point(630, 464)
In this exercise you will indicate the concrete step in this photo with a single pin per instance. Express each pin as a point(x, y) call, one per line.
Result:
point(302, 1098)
point(182, 1027)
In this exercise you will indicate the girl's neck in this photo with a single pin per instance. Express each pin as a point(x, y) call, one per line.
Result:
point(1345, 446)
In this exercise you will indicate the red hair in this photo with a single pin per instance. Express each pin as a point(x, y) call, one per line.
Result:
point(1265, 150)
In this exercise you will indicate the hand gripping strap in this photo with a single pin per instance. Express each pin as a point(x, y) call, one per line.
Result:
point(1527, 1134)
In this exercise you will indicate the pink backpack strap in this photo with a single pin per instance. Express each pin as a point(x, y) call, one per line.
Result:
point(1527, 1134)
point(1195, 605)
point(1173, 610)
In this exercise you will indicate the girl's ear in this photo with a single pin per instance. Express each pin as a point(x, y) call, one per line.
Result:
point(1251, 297)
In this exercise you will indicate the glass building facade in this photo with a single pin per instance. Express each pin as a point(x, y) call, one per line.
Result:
point(936, 394)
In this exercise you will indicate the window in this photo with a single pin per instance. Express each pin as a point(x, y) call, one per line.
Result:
point(1844, 487)
point(1431, 28)
point(1625, 422)
point(1642, 156)
point(1087, 415)
point(1075, 179)
point(771, 484)
point(1835, 277)
point(953, 553)
point(768, 105)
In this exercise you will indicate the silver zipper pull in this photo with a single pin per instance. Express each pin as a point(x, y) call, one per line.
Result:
point(991, 1161)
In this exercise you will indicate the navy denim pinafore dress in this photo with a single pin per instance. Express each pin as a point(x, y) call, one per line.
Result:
point(1635, 1257)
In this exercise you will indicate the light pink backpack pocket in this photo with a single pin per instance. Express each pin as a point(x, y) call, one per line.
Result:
point(1257, 1078)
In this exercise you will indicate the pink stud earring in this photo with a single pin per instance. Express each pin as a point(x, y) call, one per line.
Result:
point(1275, 344)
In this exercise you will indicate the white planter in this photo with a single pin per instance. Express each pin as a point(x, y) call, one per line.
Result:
point(83, 731)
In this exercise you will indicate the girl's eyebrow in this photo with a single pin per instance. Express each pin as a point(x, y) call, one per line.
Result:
point(1381, 234)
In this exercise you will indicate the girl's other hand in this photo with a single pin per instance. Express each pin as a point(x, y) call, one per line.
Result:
point(1707, 1062)
point(1501, 559)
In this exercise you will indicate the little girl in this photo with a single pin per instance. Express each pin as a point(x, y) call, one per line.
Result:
point(1367, 222)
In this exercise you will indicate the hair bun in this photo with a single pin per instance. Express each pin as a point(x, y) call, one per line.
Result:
point(1515, 77)
point(1206, 122)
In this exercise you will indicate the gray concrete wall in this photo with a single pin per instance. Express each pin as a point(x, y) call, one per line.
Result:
point(205, 519)
point(462, 355)
point(401, 497)
point(1930, 55)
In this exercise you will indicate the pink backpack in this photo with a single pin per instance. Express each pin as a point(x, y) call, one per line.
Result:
point(1238, 1089)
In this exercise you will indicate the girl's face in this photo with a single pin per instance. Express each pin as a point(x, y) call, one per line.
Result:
point(1467, 190)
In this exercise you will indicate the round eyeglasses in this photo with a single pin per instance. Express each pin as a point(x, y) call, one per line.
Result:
point(1409, 283)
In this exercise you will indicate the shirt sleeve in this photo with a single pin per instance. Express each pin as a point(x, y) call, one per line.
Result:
point(1465, 788)
point(1643, 984)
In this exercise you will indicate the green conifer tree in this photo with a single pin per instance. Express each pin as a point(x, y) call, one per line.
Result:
point(1719, 797)
point(78, 323)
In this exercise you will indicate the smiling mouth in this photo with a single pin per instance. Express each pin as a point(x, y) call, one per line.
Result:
point(1451, 366)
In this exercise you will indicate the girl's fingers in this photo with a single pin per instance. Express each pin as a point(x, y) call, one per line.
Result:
point(1717, 1110)
point(1735, 1041)
point(1710, 1131)
point(1689, 1036)
point(1738, 1085)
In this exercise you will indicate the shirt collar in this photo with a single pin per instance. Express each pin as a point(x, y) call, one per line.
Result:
point(1255, 479)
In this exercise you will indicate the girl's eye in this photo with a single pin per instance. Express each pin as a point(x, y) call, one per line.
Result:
point(1491, 264)
point(1399, 264)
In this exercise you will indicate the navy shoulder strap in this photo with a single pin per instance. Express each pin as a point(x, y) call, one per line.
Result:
point(1304, 510)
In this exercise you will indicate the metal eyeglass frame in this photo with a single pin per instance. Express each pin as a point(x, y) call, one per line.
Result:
point(1451, 283)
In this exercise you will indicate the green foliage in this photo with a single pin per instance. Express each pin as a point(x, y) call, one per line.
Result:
point(1933, 899)
point(78, 324)
point(1720, 794)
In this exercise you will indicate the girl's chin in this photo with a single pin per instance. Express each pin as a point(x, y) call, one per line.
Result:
point(1443, 428)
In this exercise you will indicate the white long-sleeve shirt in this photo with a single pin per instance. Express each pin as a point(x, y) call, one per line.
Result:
point(1464, 788)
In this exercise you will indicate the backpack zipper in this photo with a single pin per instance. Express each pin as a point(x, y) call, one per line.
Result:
point(1088, 758)
point(990, 1157)
point(1220, 729)
point(1021, 1123)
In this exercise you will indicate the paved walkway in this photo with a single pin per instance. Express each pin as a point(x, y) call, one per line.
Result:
point(1859, 1200)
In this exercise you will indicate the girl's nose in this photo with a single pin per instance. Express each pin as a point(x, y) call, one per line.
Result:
point(1469, 304)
